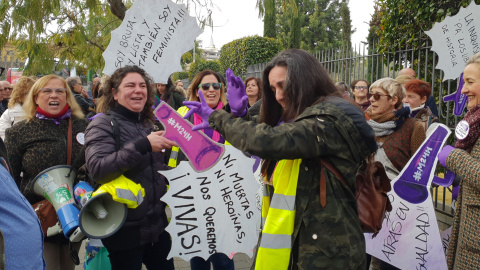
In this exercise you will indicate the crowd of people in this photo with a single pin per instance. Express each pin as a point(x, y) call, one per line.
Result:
point(294, 117)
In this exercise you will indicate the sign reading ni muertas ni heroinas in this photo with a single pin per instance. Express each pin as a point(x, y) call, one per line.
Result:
point(213, 211)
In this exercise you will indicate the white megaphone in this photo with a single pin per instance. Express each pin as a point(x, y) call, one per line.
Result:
point(100, 216)
point(56, 185)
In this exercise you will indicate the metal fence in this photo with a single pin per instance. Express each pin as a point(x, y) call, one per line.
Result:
point(364, 61)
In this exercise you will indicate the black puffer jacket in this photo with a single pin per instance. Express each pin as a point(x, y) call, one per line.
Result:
point(134, 159)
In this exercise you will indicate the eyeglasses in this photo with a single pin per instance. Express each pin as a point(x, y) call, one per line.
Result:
point(49, 91)
point(206, 86)
point(8, 88)
point(377, 95)
point(361, 87)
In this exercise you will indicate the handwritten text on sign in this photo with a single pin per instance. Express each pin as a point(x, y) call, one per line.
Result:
point(410, 238)
point(215, 210)
point(153, 36)
point(456, 39)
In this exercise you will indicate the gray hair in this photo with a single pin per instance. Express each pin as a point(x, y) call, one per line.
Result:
point(72, 81)
point(393, 88)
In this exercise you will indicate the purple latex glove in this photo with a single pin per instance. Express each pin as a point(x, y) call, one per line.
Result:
point(201, 109)
point(237, 95)
point(443, 154)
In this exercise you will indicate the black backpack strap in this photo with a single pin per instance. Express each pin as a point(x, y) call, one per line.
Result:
point(116, 130)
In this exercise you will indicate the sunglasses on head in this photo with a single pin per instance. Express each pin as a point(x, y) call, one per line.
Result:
point(377, 95)
point(206, 86)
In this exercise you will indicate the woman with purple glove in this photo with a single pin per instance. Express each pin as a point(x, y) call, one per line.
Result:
point(464, 161)
point(207, 82)
point(309, 218)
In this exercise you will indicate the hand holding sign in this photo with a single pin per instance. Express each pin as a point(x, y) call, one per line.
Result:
point(201, 109)
point(158, 142)
point(213, 204)
point(237, 96)
point(202, 152)
point(417, 174)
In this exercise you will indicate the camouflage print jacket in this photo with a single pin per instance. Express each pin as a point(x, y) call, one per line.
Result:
point(327, 237)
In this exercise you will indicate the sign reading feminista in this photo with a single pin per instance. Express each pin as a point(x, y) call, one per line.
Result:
point(153, 36)
point(410, 238)
point(212, 196)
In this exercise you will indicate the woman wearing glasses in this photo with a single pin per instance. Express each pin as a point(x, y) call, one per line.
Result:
point(398, 136)
point(40, 142)
point(360, 93)
point(209, 83)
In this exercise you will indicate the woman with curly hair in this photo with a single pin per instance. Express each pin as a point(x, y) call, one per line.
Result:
point(121, 142)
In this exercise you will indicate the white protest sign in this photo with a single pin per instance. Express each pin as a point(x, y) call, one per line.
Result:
point(213, 211)
point(153, 35)
point(456, 39)
point(410, 238)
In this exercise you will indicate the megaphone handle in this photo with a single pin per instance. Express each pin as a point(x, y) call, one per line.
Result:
point(98, 210)
point(73, 254)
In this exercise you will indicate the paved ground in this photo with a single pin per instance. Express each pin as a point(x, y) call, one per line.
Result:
point(242, 261)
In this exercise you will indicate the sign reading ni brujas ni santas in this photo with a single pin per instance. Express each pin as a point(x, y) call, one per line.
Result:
point(410, 238)
point(212, 196)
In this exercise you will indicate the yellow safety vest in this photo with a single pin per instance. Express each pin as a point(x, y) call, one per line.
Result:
point(123, 190)
point(172, 161)
point(279, 217)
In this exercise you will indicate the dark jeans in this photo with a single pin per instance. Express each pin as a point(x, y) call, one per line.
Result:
point(220, 261)
point(153, 256)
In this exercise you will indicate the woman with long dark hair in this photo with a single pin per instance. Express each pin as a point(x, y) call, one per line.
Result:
point(311, 220)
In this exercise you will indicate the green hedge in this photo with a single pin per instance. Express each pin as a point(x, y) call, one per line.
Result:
point(201, 65)
point(180, 75)
point(240, 53)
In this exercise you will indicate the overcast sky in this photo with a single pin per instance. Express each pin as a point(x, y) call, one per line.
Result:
point(235, 19)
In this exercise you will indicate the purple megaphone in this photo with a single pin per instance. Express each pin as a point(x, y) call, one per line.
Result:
point(459, 98)
point(202, 151)
point(413, 180)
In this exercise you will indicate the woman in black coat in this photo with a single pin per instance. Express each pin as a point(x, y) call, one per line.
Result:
point(121, 142)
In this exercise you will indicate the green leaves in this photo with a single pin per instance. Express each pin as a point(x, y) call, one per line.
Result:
point(240, 53)
point(402, 23)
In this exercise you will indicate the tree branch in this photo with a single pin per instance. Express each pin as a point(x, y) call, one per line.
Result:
point(118, 8)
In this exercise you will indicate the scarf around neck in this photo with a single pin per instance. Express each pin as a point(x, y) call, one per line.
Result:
point(214, 135)
point(387, 123)
point(473, 119)
point(65, 113)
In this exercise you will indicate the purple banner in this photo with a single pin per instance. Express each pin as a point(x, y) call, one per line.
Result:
point(412, 182)
point(460, 100)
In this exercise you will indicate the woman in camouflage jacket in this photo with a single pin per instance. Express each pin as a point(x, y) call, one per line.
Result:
point(304, 117)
